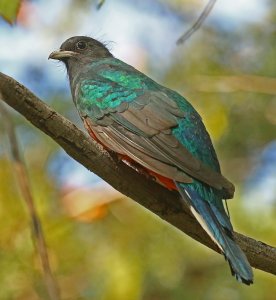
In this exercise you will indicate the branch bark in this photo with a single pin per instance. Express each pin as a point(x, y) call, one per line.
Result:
point(166, 204)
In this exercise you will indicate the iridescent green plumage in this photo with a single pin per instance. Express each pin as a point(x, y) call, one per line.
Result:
point(116, 83)
point(153, 126)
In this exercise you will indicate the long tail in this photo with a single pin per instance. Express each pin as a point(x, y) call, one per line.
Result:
point(217, 227)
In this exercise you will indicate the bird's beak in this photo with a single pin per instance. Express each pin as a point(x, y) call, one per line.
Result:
point(61, 54)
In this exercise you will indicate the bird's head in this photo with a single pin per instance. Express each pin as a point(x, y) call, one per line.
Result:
point(80, 49)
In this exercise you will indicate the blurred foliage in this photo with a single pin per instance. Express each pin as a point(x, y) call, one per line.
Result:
point(115, 250)
point(9, 9)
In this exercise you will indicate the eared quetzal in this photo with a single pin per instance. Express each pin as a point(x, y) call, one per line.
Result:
point(150, 125)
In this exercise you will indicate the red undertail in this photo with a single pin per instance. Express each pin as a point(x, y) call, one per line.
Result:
point(166, 182)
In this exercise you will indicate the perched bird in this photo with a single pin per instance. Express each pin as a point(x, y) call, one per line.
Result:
point(149, 125)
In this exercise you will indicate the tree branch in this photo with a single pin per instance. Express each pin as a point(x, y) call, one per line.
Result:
point(167, 205)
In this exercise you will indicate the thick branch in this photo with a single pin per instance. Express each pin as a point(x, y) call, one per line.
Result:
point(154, 197)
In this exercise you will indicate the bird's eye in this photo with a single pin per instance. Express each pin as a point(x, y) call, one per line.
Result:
point(81, 45)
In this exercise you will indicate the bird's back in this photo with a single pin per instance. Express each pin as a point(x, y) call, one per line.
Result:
point(106, 84)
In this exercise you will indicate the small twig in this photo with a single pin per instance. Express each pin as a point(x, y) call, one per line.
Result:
point(198, 22)
point(100, 4)
point(24, 185)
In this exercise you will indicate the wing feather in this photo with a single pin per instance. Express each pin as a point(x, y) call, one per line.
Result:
point(142, 129)
point(157, 150)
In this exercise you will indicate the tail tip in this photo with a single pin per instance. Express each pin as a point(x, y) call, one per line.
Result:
point(248, 280)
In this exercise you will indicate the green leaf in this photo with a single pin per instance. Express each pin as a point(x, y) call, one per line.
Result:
point(9, 9)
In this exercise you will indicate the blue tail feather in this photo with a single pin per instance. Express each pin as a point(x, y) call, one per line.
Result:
point(218, 226)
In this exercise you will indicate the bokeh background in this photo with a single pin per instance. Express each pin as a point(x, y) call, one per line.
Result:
point(101, 244)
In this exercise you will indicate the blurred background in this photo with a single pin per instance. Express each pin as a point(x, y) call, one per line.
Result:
point(101, 244)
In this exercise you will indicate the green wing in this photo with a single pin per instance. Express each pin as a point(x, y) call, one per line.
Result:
point(156, 127)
